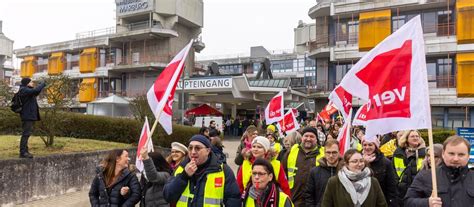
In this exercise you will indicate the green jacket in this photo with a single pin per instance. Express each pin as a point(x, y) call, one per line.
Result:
point(336, 195)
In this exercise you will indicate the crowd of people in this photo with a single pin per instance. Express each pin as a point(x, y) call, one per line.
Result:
point(300, 168)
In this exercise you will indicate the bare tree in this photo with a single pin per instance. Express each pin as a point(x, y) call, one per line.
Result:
point(6, 94)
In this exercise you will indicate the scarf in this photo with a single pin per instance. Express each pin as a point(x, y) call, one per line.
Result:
point(356, 184)
point(266, 197)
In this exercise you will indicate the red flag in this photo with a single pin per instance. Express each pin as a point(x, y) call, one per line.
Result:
point(342, 100)
point(360, 116)
point(161, 94)
point(392, 78)
point(289, 122)
point(344, 136)
point(319, 118)
point(274, 110)
point(145, 139)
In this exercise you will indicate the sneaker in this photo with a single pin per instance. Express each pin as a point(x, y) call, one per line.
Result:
point(26, 155)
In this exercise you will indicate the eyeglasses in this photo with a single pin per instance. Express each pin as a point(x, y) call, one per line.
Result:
point(260, 174)
point(357, 161)
point(195, 148)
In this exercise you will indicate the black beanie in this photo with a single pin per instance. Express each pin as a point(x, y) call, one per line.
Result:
point(25, 81)
point(201, 138)
point(310, 130)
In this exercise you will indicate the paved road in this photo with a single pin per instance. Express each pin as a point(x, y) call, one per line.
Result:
point(81, 199)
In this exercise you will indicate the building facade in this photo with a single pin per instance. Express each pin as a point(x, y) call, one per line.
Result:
point(346, 30)
point(122, 60)
point(6, 54)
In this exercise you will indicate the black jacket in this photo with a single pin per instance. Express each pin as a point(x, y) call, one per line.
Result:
point(30, 109)
point(219, 152)
point(100, 196)
point(410, 171)
point(455, 187)
point(318, 178)
point(153, 185)
point(177, 184)
point(383, 170)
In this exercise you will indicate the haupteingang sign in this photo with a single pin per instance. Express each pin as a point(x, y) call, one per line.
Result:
point(209, 83)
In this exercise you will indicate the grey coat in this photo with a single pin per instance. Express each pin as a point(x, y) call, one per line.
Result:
point(154, 184)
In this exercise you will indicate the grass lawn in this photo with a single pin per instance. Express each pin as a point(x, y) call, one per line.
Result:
point(9, 146)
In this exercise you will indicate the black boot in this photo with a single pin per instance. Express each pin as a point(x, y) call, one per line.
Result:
point(26, 155)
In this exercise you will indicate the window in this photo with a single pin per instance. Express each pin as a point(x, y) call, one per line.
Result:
point(445, 23)
point(445, 73)
point(341, 71)
point(342, 33)
point(431, 70)
point(429, 22)
point(397, 22)
point(353, 32)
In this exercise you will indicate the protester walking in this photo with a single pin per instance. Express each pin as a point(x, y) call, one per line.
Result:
point(353, 185)
point(201, 180)
point(29, 112)
point(217, 147)
point(382, 170)
point(438, 151)
point(179, 152)
point(114, 184)
point(454, 179)
point(263, 190)
point(243, 151)
point(319, 176)
point(156, 173)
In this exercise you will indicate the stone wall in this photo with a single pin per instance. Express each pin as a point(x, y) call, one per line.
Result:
point(23, 180)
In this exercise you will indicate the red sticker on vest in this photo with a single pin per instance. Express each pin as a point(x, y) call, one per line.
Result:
point(218, 182)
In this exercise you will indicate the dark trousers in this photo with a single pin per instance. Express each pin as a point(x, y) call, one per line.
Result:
point(27, 130)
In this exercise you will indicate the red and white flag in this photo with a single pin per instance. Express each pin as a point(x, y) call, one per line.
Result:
point(161, 94)
point(344, 137)
point(275, 110)
point(145, 139)
point(342, 100)
point(360, 118)
point(289, 122)
point(392, 78)
point(319, 118)
point(327, 111)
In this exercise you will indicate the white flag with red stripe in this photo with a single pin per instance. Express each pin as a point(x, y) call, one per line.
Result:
point(342, 100)
point(392, 78)
point(289, 122)
point(344, 137)
point(275, 109)
point(145, 139)
point(161, 94)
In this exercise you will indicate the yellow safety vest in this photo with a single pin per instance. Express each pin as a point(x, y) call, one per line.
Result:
point(247, 171)
point(291, 166)
point(400, 165)
point(213, 191)
point(277, 147)
point(389, 148)
point(250, 202)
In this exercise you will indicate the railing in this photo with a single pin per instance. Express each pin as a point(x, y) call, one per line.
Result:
point(142, 25)
point(95, 33)
point(139, 58)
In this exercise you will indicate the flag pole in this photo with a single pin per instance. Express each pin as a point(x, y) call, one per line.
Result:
point(433, 165)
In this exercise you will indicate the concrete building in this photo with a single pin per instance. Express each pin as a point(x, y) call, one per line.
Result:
point(345, 30)
point(125, 59)
point(6, 54)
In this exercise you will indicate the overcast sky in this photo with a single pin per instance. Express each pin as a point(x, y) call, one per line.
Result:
point(230, 26)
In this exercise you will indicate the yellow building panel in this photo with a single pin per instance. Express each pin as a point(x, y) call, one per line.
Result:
point(56, 63)
point(28, 67)
point(87, 91)
point(465, 74)
point(88, 60)
point(373, 28)
point(465, 21)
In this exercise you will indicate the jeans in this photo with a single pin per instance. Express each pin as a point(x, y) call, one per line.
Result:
point(27, 130)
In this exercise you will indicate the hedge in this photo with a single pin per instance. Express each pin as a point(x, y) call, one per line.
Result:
point(123, 130)
point(439, 135)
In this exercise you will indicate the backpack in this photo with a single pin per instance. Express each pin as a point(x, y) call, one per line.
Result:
point(16, 103)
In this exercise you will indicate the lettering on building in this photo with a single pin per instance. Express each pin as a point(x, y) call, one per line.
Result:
point(132, 6)
point(206, 83)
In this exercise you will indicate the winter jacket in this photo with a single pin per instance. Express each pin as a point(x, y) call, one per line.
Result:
point(271, 197)
point(454, 187)
point(316, 184)
point(412, 166)
point(336, 195)
point(30, 108)
point(383, 170)
point(153, 185)
point(218, 151)
point(177, 184)
point(100, 196)
point(304, 163)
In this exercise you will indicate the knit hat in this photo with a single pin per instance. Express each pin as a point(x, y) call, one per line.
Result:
point(25, 81)
point(263, 141)
point(180, 147)
point(310, 130)
point(374, 140)
point(201, 138)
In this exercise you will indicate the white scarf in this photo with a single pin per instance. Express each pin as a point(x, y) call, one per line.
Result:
point(356, 184)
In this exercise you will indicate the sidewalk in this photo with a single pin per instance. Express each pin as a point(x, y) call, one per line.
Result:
point(81, 198)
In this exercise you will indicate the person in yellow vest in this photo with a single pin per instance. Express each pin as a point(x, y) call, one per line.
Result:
point(274, 144)
point(201, 180)
point(408, 160)
point(263, 190)
point(261, 149)
point(299, 161)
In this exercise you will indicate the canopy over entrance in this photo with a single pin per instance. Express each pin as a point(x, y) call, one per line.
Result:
point(203, 109)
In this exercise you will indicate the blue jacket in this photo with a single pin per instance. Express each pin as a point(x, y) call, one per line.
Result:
point(176, 185)
point(30, 109)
